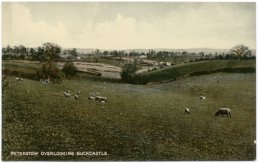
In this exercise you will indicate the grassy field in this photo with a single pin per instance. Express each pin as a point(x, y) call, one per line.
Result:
point(29, 68)
point(137, 123)
point(22, 65)
point(110, 61)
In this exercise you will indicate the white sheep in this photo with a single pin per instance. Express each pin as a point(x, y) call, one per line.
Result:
point(66, 94)
point(76, 97)
point(187, 110)
point(91, 98)
point(202, 97)
point(101, 98)
point(223, 111)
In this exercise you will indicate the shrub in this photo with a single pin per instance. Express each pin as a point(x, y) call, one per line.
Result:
point(49, 72)
point(129, 70)
point(69, 69)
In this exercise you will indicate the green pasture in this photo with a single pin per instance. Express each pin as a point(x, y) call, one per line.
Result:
point(139, 122)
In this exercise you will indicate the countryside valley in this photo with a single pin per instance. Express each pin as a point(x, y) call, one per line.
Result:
point(129, 104)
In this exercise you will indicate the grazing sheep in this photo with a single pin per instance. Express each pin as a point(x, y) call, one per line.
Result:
point(223, 111)
point(18, 79)
point(78, 92)
point(66, 94)
point(187, 110)
point(202, 97)
point(76, 97)
point(103, 101)
point(91, 98)
point(101, 98)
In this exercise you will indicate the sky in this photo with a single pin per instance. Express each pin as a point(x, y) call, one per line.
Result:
point(129, 25)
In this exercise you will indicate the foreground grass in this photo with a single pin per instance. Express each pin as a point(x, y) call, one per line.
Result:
point(137, 123)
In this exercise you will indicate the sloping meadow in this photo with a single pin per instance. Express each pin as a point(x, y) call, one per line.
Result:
point(194, 68)
point(138, 122)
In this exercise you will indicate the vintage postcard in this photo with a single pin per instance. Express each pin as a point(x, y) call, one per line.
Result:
point(128, 81)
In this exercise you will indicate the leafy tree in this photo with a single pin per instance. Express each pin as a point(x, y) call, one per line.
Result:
point(51, 52)
point(184, 52)
point(240, 51)
point(9, 49)
point(129, 70)
point(40, 54)
point(105, 53)
point(22, 50)
point(97, 52)
point(114, 53)
point(49, 72)
point(74, 52)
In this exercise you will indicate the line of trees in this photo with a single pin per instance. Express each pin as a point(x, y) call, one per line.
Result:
point(48, 54)
point(22, 52)
point(37, 54)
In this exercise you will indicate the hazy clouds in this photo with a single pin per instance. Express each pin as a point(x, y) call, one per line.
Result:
point(130, 25)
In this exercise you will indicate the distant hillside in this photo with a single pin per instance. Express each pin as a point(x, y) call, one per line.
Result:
point(194, 68)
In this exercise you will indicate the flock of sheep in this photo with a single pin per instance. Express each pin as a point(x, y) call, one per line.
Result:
point(67, 93)
point(220, 111)
point(93, 96)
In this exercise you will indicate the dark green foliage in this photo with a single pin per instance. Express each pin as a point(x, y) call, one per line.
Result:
point(129, 70)
point(51, 52)
point(69, 69)
point(49, 72)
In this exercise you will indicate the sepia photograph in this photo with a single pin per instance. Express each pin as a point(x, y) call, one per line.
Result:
point(128, 81)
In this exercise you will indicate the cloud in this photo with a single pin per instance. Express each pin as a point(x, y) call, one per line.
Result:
point(122, 32)
point(20, 28)
point(188, 25)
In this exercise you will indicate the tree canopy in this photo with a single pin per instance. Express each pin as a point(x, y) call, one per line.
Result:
point(51, 52)
point(240, 51)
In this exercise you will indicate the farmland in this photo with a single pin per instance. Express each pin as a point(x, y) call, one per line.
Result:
point(139, 122)
point(104, 70)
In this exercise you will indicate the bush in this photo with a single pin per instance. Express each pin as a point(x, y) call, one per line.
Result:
point(69, 69)
point(49, 72)
point(129, 70)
